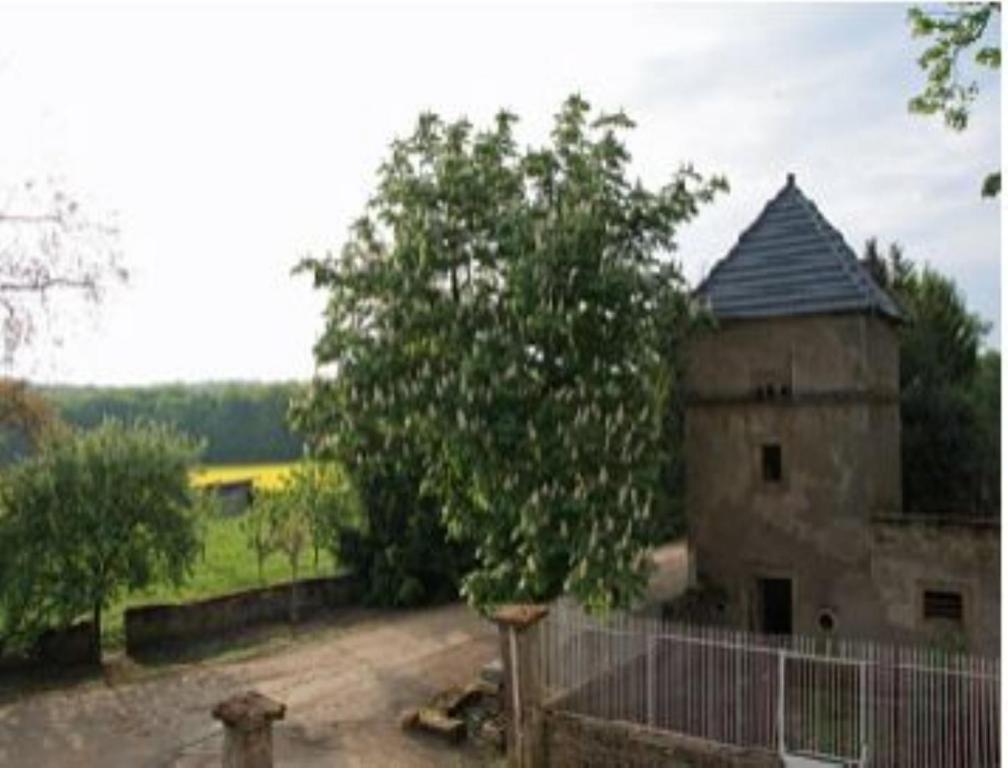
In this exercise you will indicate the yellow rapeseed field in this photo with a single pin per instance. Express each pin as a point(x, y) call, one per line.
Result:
point(265, 476)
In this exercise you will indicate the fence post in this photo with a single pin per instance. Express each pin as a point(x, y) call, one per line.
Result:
point(781, 660)
point(518, 626)
point(248, 729)
point(650, 672)
point(863, 719)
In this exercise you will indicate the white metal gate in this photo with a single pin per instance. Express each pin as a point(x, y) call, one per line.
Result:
point(815, 701)
point(822, 710)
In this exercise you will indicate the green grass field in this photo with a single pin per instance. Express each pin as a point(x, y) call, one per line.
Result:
point(228, 564)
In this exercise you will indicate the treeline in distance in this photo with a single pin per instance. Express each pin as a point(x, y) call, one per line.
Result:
point(239, 421)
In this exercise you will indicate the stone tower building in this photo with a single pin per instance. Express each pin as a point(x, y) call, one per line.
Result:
point(793, 447)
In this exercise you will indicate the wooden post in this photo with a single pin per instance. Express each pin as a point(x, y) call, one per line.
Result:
point(518, 627)
point(248, 729)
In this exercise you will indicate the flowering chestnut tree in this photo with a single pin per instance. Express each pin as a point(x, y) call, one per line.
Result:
point(509, 314)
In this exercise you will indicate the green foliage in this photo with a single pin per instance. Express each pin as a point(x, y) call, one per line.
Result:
point(985, 402)
point(330, 502)
point(669, 520)
point(401, 548)
point(90, 516)
point(313, 507)
point(26, 418)
point(949, 394)
point(206, 508)
point(289, 523)
point(255, 528)
point(958, 29)
point(991, 185)
point(289, 530)
point(500, 320)
point(240, 422)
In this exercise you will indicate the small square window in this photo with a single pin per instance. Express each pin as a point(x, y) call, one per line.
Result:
point(943, 605)
point(772, 463)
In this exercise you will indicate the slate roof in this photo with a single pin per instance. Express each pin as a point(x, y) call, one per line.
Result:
point(791, 261)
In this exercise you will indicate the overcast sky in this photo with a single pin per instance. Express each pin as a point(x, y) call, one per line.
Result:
point(231, 141)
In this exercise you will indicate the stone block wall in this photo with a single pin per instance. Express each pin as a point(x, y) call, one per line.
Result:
point(67, 647)
point(832, 419)
point(909, 556)
point(64, 648)
point(812, 527)
point(162, 627)
point(814, 355)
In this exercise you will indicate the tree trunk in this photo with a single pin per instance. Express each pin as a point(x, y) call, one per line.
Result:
point(96, 634)
point(294, 594)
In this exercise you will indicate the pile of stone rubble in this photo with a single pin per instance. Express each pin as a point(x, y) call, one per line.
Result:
point(471, 712)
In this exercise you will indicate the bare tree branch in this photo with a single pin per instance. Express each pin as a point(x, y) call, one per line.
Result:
point(45, 218)
point(47, 244)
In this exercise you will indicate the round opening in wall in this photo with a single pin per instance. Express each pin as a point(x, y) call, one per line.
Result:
point(827, 621)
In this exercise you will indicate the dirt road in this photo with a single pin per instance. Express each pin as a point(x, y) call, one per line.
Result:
point(343, 688)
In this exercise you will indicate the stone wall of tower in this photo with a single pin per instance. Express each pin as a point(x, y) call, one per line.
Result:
point(825, 389)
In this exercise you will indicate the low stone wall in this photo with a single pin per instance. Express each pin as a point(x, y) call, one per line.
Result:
point(576, 741)
point(909, 555)
point(70, 647)
point(55, 649)
point(166, 627)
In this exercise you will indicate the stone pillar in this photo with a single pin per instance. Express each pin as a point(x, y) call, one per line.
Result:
point(522, 690)
point(248, 729)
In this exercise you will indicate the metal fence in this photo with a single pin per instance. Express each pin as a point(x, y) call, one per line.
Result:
point(849, 702)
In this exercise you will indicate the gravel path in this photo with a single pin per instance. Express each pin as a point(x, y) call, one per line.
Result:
point(344, 688)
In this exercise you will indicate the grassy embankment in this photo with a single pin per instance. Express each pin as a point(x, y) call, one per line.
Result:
point(228, 565)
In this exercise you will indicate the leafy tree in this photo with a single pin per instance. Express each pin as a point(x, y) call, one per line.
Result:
point(401, 546)
point(255, 525)
point(310, 509)
point(93, 514)
point(948, 402)
point(942, 340)
point(396, 541)
point(289, 532)
point(959, 28)
point(985, 400)
point(329, 500)
point(207, 507)
point(502, 316)
point(26, 419)
point(670, 521)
